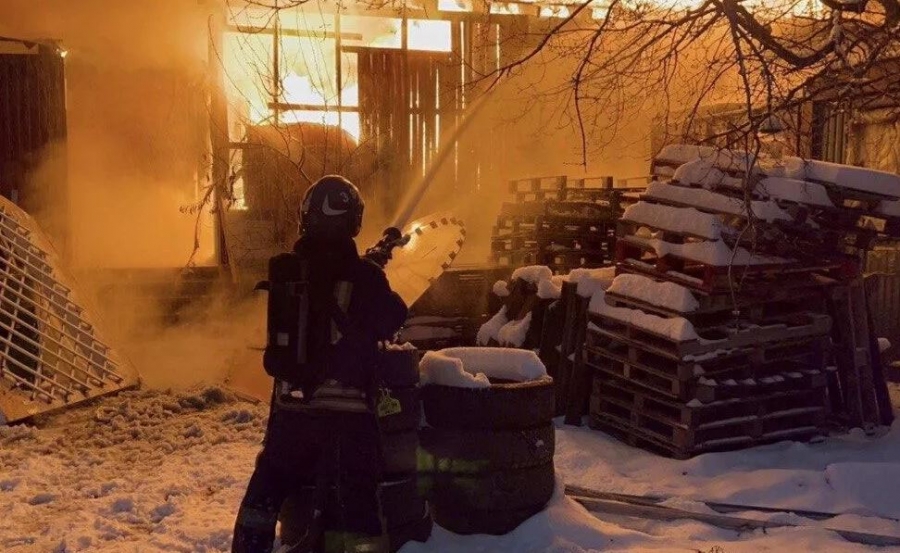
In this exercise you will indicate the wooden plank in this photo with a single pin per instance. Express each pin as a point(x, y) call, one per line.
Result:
point(738, 524)
point(797, 326)
point(882, 396)
point(638, 508)
point(721, 508)
point(581, 378)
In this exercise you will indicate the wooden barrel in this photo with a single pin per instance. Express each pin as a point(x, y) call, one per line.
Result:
point(486, 456)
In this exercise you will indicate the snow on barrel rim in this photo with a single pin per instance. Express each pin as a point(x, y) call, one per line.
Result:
point(471, 367)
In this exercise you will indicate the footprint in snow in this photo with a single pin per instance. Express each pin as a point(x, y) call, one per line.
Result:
point(162, 511)
point(42, 499)
point(8, 485)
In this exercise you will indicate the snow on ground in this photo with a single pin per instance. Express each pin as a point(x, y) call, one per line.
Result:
point(143, 471)
point(159, 472)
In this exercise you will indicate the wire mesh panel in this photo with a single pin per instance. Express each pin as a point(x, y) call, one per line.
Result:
point(51, 354)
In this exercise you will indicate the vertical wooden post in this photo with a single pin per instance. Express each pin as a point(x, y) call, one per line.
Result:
point(218, 138)
point(581, 377)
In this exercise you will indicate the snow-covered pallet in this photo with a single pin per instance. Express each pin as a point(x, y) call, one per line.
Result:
point(715, 310)
point(830, 196)
point(51, 353)
point(725, 337)
point(639, 257)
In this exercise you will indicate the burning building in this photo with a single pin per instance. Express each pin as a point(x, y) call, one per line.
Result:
point(367, 92)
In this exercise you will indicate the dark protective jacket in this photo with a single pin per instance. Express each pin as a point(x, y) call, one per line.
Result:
point(375, 313)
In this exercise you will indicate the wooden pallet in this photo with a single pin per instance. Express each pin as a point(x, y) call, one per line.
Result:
point(864, 397)
point(576, 209)
point(764, 401)
point(639, 259)
point(722, 309)
point(560, 261)
point(774, 431)
point(738, 430)
point(544, 239)
point(537, 184)
point(726, 337)
point(705, 378)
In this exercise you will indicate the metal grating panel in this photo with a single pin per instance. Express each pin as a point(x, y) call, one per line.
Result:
point(51, 354)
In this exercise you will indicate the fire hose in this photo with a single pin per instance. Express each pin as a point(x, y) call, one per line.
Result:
point(393, 237)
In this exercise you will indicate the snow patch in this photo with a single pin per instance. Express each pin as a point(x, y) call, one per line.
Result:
point(514, 333)
point(589, 281)
point(704, 174)
point(846, 176)
point(661, 294)
point(683, 220)
point(712, 201)
point(472, 367)
point(533, 274)
point(491, 329)
point(729, 160)
point(501, 289)
point(550, 289)
point(794, 190)
point(678, 329)
point(715, 253)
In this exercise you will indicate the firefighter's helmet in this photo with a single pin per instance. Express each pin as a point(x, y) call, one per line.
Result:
point(332, 208)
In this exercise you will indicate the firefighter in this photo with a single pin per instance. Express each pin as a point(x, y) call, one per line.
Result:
point(322, 427)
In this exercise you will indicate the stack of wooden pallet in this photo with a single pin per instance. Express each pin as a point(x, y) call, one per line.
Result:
point(559, 222)
point(716, 333)
point(675, 370)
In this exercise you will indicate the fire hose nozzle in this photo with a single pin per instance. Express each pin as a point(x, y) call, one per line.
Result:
point(392, 234)
point(382, 252)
